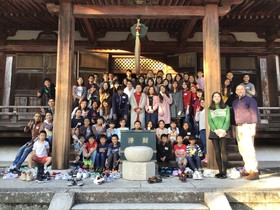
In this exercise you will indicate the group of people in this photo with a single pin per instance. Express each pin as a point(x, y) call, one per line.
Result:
point(173, 107)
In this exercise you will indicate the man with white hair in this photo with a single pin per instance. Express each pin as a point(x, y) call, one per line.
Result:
point(246, 117)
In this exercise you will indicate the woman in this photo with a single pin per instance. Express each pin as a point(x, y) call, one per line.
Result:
point(177, 104)
point(151, 106)
point(79, 92)
point(106, 111)
point(159, 81)
point(116, 84)
point(193, 82)
point(169, 79)
point(226, 90)
point(186, 94)
point(165, 100)
point(179, 79)
point(137, 102)
point(219, 121)
point(105, 92)
point(150, 83)
point(141, 81)
point(83, 107)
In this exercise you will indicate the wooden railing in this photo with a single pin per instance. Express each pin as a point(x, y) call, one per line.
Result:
point(16, 113)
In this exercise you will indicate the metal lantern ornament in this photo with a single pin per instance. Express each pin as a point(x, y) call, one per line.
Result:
point(138, 31)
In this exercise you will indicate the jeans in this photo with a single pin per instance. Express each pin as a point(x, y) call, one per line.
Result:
point(22, 154)
point(203, 140)
point(191, 160)
point(100, 160)
point(93, 157)
point(112, 158)
point(152, 117)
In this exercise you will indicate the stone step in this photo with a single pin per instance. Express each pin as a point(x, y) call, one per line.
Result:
point(232, 141)
point(232, 148)
point(232, 164)
point(140, 206)
point(235, 156)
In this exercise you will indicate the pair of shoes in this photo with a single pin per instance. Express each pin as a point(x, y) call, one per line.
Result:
point(183, 177)
point(93, 175)
point(218, 175)
point(197, 175)
point(10, 176)
point(77, 181)
point(66, 176)
point(223, 176)
point(253, 176)
point(58, 177)
point(243, 172)
point(26, 176)
point(116, 175)
point(175, 172)
point(209, 174)
point(98, 180)
point(204, 160)
point(91, 168)
point(154, 179)
point(234, 174)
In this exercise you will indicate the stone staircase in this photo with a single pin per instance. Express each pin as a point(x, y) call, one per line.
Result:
point(234, 157)
point(140, 200)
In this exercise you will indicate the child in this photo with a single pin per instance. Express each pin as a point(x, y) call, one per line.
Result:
point(78, 147)
point(161, 130)
point(137, 126)
point(102, 150)
point(200, 117)
point(40, 151)
point(163, 149)
point(185, 132)
point(149, 126)
point(85, 129)
point(200, 80)
point(89, 152)
point(76, 123)
point(193, 154)
point(114, 153)
point(122, 127)
point(93, 113)
point(99, 128)
point(111, 130)
point(173, 132)
point(180, 150)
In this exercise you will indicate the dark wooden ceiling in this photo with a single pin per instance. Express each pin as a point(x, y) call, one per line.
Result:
point(250, 15)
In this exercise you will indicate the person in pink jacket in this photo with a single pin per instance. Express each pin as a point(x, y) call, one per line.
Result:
point(165, 100)
point(151, 106)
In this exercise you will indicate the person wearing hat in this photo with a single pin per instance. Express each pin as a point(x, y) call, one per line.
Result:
point(48, 89)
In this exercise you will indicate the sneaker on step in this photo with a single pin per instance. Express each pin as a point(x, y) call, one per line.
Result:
point(66, 176)
point(85, 175)
point(70, 182)
point(10, 176)
point(79, 175)
point(195, 175)
point(29, 176)
point(79, 182)
point(58, 176)
point(98, 180)
point(23, 176)
point(199, 175)
point(42, 179)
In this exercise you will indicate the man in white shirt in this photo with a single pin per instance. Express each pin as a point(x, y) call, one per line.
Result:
point(129, 90)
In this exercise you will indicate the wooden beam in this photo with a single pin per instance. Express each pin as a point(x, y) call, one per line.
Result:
point(88, 31)
point(187, 31)
point(63, 99)
point(211, 66)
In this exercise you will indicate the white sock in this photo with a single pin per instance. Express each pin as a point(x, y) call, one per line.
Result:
point(45, 167)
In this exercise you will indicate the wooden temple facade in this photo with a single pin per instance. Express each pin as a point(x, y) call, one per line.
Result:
point(69, 38)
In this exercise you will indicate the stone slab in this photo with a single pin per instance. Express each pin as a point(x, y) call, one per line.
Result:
point(138, 171)
point(216, 201)
point(62, 201)
point(140, 206)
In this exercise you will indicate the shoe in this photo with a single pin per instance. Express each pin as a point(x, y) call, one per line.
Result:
point(23, 176)
point(85, 175)
point(183, 178)
point(10, 176)
point(48, 175)
point(218, 175)
point(209, 174)
point(195, 175)
point(79, 175)
point(98, 180)
point(117, 175)
point(29, 176)
point(223, 176)
point(79, 182)
point(91, 168)
point(71, 182)
point(66, 176)
point(42, 178)
point(110, 178)
point(154, 179)
point(253, 176)
point(93, 175)
point(204, 160)
point(244, 173)
point(58, 176)
point(199, 175)
point(81, 170)
point(175, 172)
point(54, 174)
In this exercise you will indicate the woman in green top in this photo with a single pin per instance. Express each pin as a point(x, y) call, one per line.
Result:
point(219, 121)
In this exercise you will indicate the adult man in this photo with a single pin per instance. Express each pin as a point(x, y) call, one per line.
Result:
point(249, 87)
point(48, 89)
point(246, 116)
point(120, 104)
point(23, 152)
point(51, 107)
point(129, 88)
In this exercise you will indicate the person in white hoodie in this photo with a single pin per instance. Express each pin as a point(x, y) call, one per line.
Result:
point(200, 117)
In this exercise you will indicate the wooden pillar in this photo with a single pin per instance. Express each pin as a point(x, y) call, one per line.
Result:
point(272, 77)
point(65, 47)
point(211, 65)
point(2, 75)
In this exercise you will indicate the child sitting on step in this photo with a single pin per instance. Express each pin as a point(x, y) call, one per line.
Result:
point(163, 149)
point(89, 152)
point(180, 150)
point(78, 147)
point(114, 154)
point(193, 154)
point(101, 155)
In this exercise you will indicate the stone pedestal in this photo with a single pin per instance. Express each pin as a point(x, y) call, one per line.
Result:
point(137, 171)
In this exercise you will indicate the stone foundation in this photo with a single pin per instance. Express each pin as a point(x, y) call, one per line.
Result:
point(137, 171)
